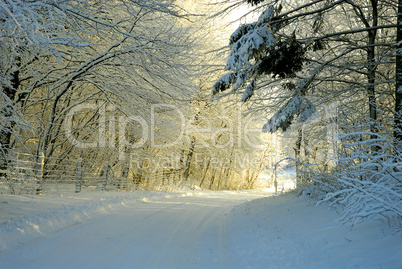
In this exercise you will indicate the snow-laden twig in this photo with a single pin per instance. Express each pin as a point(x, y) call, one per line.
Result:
point(370, 186)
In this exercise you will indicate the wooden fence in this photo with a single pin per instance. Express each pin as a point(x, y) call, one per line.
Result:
point(33, 174)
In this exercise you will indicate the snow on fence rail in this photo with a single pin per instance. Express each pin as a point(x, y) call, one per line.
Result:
point(26, 173)
point(33, 174)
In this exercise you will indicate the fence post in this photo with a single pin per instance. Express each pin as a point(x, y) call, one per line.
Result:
point(79, 176)
point(41, 173)
point(123, 181)
point(105, 170)
point(275, 179)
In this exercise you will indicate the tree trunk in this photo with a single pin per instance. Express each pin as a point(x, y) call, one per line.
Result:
point(212, 180)
point(187, 164)
point(371, 61)
point(398, 84)
point(298, 155)
point(7, 128)
point(122, 184)
point(205, 172)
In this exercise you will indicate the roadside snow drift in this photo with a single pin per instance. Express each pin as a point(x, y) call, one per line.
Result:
point(292, 232)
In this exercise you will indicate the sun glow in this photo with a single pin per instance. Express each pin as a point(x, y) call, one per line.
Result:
point(240, 15)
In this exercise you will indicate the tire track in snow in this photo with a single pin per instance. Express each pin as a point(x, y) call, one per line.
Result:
point(180, 232)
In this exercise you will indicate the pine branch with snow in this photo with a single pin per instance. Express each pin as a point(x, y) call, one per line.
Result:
point(297, 106)
point(254, 52)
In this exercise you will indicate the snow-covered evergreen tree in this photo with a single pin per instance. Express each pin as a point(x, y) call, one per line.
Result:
point(255, 51)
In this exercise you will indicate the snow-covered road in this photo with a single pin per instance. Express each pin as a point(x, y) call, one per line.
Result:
point(194, 229)
point(178, 232)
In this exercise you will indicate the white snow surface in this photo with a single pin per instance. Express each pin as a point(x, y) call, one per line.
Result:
point(190, 229)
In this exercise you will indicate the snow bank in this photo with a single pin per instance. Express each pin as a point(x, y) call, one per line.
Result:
point(292, 232)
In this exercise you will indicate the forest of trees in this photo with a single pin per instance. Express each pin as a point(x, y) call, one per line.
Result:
point(122, 84)
point(162, 94)
point(325, 71)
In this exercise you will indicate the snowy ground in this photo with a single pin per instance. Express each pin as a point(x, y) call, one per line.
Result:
point(197, 229)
